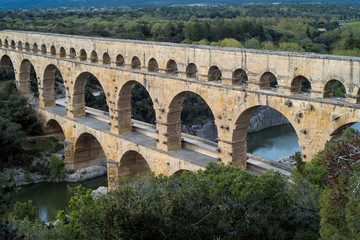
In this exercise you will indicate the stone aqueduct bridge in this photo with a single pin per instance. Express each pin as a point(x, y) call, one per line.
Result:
point(169, 72)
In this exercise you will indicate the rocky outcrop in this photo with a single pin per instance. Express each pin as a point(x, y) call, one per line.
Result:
point(101, 191)
point(263, 118)
point(23, 177)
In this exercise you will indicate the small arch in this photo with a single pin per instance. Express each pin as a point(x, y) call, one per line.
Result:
point(94, 57)
point(72, 53)
point(120, 61)
point(239, 76)
point(135, 63)
point(13, 44)
point(133, 163)
point(20, 46)
point(153, 65)
point(35, 48)
point(214, 74)
point(179, 172)
point(27, 47)
point(83, 55)
point(300, 84)
point(62, 52)
point(268, 80)
point(192, 71)
point(171, 67)
point(334, 88)
point(88, 152)
point(43, 49)
point(358, 96)
point(106, 59)
point(53, 51)
point(54, 129)
point(6, 43)
point(1, 43)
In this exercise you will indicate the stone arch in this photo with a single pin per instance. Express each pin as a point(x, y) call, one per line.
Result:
point(43, 49)
point(93, 57)
point(133, 163)
point(239, 76)
point(35, 48)
point(62, 52)
point(135, 63)
point(171, 67)
point(52, 127)
point(78, 98)
point(174, 119)
point(214, 74)
point(13, 44)
point(27, 47)
point(358, 96)
point(88, 152)
point(6, 63)
point(240, 132)
point(268, 80)
point(191, 71)
point(153, 65)
point(120, 61)
point(20, 46)
point(53, 51)
point(1, 44)
point(124, 112)
point(83, 55)
point(179, 172)
point(49, 85)
point(106, 59)
point(330, 89)
point(72, 53)
point(6, 43)
point(300, 84)
point(24, 83)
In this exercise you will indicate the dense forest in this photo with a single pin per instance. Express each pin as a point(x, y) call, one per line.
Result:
point(319, 28)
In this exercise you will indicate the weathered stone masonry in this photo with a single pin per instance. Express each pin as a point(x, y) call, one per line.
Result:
point(169, 72)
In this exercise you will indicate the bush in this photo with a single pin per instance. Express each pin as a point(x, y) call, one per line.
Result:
point(23, 210)
point(57, 166)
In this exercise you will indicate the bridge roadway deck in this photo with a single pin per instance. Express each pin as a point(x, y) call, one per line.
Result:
point(184, 154)
point(145, 135)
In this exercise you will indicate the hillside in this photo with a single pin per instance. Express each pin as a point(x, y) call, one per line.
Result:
point(8, 4)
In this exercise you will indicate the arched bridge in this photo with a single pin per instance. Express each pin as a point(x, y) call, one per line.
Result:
point(233, 82)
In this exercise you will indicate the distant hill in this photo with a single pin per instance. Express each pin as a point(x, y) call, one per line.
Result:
point(6, 4)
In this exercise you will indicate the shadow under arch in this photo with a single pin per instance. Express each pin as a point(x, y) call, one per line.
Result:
point(88, 152)
point(198, 107)
point(27, 79)
point(240, 134)
point(78, 98)
point(6, 69)
point(128, 107)
point(51, 74)
point(53, 128)
point(133, 163)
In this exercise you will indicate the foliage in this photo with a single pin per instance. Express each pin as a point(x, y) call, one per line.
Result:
point(57, 166)
point(23, 210)
point(141, 105)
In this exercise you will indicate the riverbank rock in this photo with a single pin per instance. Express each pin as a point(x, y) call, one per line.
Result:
point(266, 117)
point(101, 191)
point(205, 129)
point(286, 161)
point(23, 177)
point(86, 174)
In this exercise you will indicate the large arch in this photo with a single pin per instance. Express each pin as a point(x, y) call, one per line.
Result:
point(334, 88)
point(133, 163)
point(27, 79)
point(300, 84)
point(240, 134)
point(174, 118)
point(125, 110)
point(49, 77)
point(78, 99)
point(53, 128)
point(88, 152)
point(7, 70)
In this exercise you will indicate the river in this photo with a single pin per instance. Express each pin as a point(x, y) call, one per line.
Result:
point(272, 143)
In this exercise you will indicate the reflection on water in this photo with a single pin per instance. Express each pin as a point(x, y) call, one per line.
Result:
point(49, 197)
point(274, 143)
